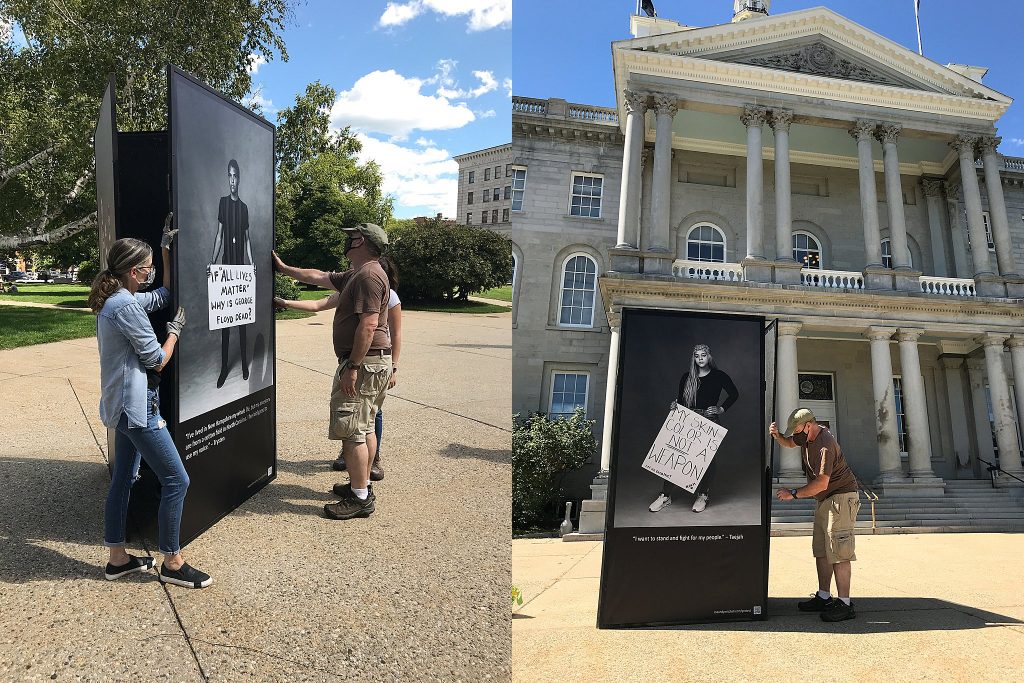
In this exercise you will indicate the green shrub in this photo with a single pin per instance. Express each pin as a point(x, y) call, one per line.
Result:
point(441, 262)
point(88, 270)
point(285, 287)
point(543, 452)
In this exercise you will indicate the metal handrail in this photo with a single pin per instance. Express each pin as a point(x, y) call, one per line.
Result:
point(996, 468)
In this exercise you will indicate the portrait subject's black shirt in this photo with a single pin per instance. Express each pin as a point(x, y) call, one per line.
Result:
point(233, 216)
point(709, 390)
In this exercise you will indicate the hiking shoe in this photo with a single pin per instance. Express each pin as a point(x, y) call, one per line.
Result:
point(339, 464)
point(376, 471)
point(187, 576)
point(350, 507)
point(700, 503)
point(661, 501)
point(815, 604)
point(345, 490)
point(134, 564)
point(838, 611)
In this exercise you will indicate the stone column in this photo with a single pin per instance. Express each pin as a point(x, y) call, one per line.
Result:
point(915, 406)
point(755, 266)
point(1002, 412)
point(1016, 345)
point(982, 427)
point(592, 512)
point(933, 198)
point(875, 277)
point(904, 278)
point(787, 270)
point(665, 107)
point(787, 391)
point(889, 466)
point(997, 216)
point(987, 282)
point(646, 198)
point(955, 393)
point(629, 193)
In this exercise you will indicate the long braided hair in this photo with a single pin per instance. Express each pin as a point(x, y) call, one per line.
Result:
point(124, 255)
point(693, 380)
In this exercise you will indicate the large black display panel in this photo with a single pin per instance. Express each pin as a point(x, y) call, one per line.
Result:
point(222, 191)
point(676, 565)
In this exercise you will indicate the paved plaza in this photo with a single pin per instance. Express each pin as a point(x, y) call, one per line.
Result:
point(419, 591)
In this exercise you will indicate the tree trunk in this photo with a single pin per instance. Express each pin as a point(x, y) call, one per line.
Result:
point(51, 237)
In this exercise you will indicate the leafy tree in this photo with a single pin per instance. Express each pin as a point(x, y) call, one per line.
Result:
point(50, 90)
point(441, 262)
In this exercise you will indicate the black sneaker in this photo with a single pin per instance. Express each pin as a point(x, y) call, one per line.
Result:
point(376, 471)
point(838, 611)
point(815, 604)
point(350, 507)
point(188, 576)
point(339, 464)
point(134, 564)
point(345, 490)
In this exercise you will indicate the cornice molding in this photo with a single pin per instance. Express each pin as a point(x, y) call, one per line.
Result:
point(566, 130)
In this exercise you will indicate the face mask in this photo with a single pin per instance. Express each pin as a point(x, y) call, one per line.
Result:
point(349, 239)
point(800, 439)
point(150, 279)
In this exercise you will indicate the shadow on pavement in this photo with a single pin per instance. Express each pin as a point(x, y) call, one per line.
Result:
point(460, 451)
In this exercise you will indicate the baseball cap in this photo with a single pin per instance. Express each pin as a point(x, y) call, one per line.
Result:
point(372, 232)
point(797, 418)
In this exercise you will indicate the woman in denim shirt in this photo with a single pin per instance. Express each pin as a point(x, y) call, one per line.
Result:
point(131, 359)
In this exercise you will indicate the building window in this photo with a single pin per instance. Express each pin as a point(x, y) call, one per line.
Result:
point(887, 254)
point(497, 172)
point(504, 215)
point(486, 195)
point(518, 188)
point(705, 242)
point(508, 192)
point(497, 194)
point(472, 176)
point(487, 173)
point(494, 215)
point(806, 250)
point(579, 283)
point(508, 170)
point(469, 198)
point(585, 199)
point(568, 392)
point(901, 419)
point(469, 219)
point(483, 218)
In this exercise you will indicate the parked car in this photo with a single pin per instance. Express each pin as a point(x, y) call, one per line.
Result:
point(17, 275)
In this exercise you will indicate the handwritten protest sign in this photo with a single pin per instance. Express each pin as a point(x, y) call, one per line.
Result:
point(684, 448)
point(232, 296)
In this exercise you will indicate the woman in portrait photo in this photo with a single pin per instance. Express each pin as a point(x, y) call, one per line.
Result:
point(700, 390)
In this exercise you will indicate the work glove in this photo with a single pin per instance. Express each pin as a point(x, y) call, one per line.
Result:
point(177, 322)
point(168, 234)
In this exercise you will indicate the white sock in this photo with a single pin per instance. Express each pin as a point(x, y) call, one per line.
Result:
point(361, 494)
point(824, 595)
point(846, 601)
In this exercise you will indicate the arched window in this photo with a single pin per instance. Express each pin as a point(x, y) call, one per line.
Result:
point(806, 250)
point(579, 283)
point(705, 242)
point(887, 254)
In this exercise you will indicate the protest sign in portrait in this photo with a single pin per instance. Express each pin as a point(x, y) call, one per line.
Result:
point(684, 448)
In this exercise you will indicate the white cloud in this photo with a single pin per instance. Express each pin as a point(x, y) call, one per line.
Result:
point(1019, 142)
point(424, 142)
point(483, 14)
point(260, 104)
point(426, 177)
point(255, 62)
point(490, 113)
point(387, 102)
point(507, 84)
point(448, 85)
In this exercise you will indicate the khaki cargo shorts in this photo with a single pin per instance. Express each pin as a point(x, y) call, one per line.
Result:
point(833, 527)
point(352, 418)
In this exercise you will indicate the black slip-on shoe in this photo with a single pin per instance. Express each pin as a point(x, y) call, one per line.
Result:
point(839, 611)
point(187, 576)
point(351, 507)
point(134, 564)
point(815, 604)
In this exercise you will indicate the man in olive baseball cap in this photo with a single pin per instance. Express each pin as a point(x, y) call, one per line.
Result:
point(796, 418)
point(373, 233)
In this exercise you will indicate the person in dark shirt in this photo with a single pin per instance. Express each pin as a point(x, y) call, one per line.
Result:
point(700, 390)
point(232, 247)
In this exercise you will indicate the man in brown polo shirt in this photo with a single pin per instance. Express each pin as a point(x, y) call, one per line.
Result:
point(832, 483)
point(363, 347)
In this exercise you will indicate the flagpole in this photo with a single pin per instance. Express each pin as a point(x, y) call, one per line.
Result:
point(638, 8)
point(917, 19)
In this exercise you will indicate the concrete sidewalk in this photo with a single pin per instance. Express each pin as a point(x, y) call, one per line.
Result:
point(933, 607)
point(418, 591)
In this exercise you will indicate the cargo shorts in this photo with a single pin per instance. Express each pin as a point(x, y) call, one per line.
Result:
point(834, 518)
point(352, 418)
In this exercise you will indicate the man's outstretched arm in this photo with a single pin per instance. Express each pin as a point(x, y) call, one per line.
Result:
point(311, 276)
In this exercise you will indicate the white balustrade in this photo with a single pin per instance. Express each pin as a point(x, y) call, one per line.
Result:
point(831, 279)
point(704, 270)
point(529, 105)
point(947, 286)
point(587, 113)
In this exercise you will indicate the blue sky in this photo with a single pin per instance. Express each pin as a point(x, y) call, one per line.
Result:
point(421, 80)
point(561, 51)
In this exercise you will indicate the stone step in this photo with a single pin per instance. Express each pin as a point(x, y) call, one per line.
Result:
point(792, 530)
point(980, 507)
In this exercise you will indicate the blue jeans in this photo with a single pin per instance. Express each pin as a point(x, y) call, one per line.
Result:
point(378, 428)
point(152, 443)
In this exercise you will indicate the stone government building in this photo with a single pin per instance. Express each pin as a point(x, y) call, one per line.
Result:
point(803, 168)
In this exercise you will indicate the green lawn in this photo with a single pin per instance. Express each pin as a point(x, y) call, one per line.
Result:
point(455, 307)
point(313, 294)
point(289, 314)
point(25, 325)
point(499, 293)
point(74, 296)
